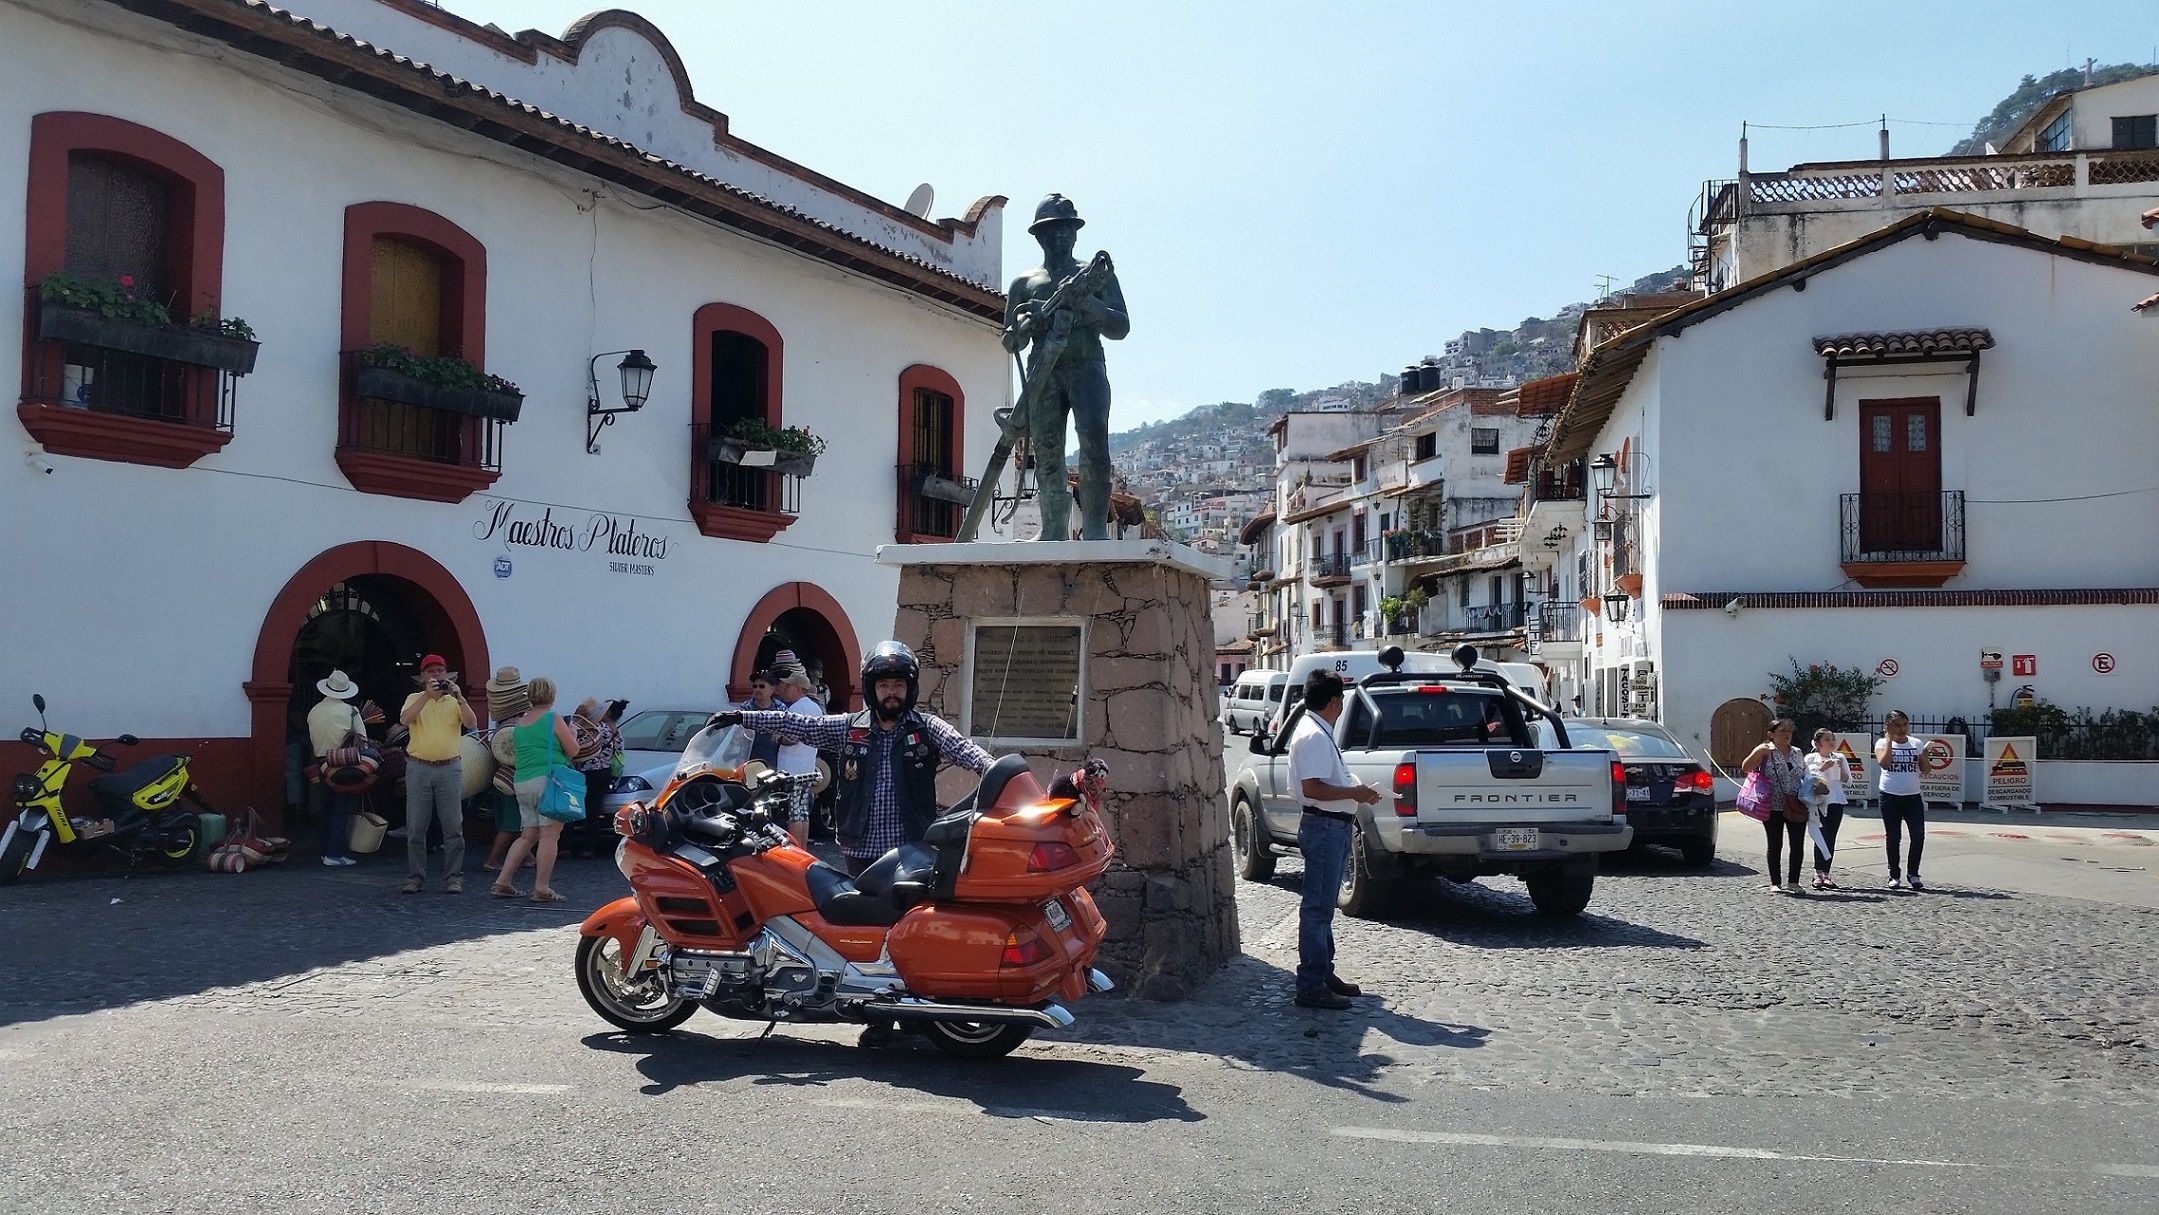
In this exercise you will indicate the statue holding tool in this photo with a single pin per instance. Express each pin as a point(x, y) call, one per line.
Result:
point(1059, 313)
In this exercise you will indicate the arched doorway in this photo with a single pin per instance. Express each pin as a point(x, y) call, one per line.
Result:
point(370, 608)
point(806, 619)
point(1735, 729)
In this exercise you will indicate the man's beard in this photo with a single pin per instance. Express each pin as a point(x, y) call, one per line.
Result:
point(891, 708)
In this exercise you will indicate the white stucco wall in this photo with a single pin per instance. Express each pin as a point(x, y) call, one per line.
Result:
point(157, 580)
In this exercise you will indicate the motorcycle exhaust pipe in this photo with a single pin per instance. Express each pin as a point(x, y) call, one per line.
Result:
point(914, 1008)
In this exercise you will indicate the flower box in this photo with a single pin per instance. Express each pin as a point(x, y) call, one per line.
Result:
point(175, 343)
point(383, 384)
point(727, 449)
point(1630, 583)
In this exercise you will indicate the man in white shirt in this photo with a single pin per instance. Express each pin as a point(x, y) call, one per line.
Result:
point(1330, 796)
point(791, 685)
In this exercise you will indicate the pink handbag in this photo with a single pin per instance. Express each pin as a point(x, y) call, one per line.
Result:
point(1754, 797)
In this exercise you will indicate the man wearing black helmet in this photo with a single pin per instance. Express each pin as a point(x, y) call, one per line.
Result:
point(887, 777)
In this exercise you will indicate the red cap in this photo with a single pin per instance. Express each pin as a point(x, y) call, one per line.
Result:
point(433, 660)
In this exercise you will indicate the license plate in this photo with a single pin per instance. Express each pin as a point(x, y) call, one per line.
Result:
point(1638, 793)
point(1059, 918)
point(1515, 839)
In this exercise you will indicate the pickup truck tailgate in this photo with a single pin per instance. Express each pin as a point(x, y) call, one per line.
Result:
point(1513, 784)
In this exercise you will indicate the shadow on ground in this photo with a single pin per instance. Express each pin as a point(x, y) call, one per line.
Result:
point(1020, 1086)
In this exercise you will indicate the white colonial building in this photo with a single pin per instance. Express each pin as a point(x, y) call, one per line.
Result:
point(1894, 455)
point(350, 175)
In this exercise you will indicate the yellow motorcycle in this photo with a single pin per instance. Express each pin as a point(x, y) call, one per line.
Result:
point(141, 810)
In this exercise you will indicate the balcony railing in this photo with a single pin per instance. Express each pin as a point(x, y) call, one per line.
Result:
point(1902, 527)
point(1556, 622)
point(936, 500)
point(738, 485)
point(1406, 545)
point(1329, 566)
point(1371, 552)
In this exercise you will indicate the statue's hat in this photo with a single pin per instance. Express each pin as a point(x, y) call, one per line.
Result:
point(1056, 209)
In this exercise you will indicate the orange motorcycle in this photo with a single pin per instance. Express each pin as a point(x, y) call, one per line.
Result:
point(976, 937)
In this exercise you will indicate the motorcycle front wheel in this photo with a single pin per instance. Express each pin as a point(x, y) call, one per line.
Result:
point(641, 1006)
point(975, 1040)
point(16, 855)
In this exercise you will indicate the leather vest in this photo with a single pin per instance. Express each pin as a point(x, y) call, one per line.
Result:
point(914, 777)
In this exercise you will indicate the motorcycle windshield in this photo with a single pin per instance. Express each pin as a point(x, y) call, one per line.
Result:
point(721, 749)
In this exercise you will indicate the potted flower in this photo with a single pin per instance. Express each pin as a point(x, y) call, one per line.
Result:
point(389, 372)
point(753, 443)
point(113, 315)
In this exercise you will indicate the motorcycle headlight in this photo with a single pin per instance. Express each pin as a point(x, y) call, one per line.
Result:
point(632, 784)
point(27, 788)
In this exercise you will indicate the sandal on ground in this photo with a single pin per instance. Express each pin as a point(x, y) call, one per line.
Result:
point(503, 890)
point(546, 896)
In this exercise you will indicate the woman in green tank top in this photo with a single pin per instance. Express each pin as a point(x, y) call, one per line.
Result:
point(543, 741)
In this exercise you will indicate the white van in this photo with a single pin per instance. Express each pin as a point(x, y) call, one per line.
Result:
point(1253, 700)
point(1353, 665)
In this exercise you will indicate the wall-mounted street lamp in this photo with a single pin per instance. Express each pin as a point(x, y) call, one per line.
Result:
point(636, 372)
point(1604, 472)
point(1615, 606)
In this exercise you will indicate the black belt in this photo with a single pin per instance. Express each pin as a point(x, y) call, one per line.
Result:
point(1336, 815)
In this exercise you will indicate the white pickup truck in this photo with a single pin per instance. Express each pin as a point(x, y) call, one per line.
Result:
point(1471, 793)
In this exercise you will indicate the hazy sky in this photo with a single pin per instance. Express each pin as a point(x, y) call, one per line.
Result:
point(1302, 194)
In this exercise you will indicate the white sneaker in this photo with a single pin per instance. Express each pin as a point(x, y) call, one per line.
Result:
point(332, 861)
point(1896, 883)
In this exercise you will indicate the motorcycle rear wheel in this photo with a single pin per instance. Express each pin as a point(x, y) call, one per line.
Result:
point(642, 1007)
point(975, 1040)
point(186, 837)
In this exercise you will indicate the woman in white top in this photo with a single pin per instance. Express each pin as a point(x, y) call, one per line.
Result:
point(1902, 808)
point(1831, 769)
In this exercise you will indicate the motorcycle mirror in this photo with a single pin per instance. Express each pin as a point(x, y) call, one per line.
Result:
point(127, 740)
point(38, 699)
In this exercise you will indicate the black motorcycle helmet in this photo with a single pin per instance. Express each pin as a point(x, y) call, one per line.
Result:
point(891, 660)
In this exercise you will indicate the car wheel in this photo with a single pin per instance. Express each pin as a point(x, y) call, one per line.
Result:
point(1560, 894)
point(1364, 896)
point(1699, 854)
point(1255, 855)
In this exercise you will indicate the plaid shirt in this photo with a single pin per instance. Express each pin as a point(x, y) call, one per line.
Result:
point(829, 733)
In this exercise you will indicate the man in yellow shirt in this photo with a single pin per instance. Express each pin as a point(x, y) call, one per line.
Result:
point(437, 717)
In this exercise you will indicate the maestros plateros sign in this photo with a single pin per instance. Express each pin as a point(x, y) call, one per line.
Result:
point(630, 548)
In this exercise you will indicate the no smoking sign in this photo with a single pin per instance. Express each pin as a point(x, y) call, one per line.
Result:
point(1887, 668)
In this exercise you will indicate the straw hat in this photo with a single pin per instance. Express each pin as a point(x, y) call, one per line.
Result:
point(506, 694)
point(337, 686)
point(786, 668)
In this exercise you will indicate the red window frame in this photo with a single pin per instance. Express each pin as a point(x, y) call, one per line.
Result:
point(714, 518)
point(936, 379)
point(196, 273)
point(464, 333)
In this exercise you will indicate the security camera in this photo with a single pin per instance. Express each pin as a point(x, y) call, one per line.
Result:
point(1732, 608)
point(37, 460)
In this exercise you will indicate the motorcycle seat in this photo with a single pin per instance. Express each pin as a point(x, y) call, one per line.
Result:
point(841, 901)
point(119, 788)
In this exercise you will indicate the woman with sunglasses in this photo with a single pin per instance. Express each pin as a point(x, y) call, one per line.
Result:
point(1780, 763)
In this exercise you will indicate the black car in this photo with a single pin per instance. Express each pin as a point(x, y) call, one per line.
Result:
point(1671, 799)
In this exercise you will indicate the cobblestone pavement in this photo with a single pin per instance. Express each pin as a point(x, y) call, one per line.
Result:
point(1674, 983)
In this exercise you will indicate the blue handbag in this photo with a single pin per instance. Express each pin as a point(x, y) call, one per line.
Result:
point(563, 800)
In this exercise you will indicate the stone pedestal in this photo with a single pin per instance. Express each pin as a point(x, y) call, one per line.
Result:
point(1145, 705)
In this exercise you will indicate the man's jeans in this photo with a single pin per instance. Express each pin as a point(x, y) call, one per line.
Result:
point(1325, 845)
point(433, 790)
point(337, 812)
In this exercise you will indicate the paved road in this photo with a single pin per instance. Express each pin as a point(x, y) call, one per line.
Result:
point(306, 1037)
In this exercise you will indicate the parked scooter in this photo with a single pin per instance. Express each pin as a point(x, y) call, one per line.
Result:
point(976, 937)
point(139, 810)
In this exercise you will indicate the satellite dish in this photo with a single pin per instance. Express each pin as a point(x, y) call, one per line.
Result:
point(920, 202)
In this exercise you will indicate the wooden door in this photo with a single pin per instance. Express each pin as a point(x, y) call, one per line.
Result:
point(1735, 729)
point(1900, 475)
point(119, 225)
point(406, 296)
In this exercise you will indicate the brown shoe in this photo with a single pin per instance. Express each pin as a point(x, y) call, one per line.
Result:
point(455, 885)
point(413, 886)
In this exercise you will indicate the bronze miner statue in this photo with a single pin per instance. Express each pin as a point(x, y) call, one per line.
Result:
point(1063, 310)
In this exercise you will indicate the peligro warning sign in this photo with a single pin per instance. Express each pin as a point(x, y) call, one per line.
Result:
point(2008, 766)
